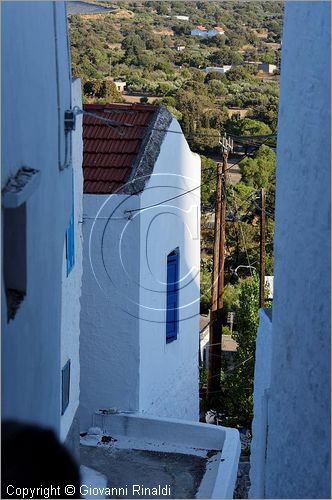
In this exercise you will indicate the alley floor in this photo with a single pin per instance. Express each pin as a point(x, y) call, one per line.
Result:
point(130, 471)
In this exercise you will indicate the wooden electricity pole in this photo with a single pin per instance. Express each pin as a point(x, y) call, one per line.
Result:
point(214, 361)
point(262, 249)
point(215, 337)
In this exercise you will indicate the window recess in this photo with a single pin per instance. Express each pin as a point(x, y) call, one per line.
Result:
point(172, 296)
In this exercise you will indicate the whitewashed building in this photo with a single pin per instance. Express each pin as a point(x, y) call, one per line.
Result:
point(120, 85)
point(216, 31)
point(41, 244)
point(140, 296)
point(199, 31)
point(218, 69)
point(267, 68)
point(182, 18)
point(291, 447)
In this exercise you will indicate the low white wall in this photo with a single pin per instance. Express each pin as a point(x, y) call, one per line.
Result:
point(262, 381)
point(169, 372)
point(71, 284)
point(183, 436)
point(109, 344)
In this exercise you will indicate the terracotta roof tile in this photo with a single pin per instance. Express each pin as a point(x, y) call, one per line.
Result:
point(110, 151)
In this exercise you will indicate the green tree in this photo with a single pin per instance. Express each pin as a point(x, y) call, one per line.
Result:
point(205, 139)
point(247, 126)
point(259, 172)
point(217, 88)
point(205, 281)
point(102, 89)
point(208, 182)
point(240, 73)
point(238, 386)
point(133, 45)
point(191, 105)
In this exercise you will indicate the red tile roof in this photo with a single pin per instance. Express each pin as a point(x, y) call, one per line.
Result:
point(109, 153)
point(220, 30)
point(201, 28)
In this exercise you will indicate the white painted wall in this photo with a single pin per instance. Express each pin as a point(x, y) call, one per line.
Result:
point(31, 342)
point(71, 284)
point(169, 372)
point(213, 32)
point(109, 345)
point(262, 382)
point(125, 362)
point(197, 32)
point(298, 452)
point(218, 69)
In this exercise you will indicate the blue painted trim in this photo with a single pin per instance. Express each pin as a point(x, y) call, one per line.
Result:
point(65, 386)
point(172, 297)
point(70, 238)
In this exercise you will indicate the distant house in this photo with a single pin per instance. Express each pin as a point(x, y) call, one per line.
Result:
point(182, 18)
point(140, 293)
point(216, 31)
point(120, 85)
point(199, 31)
point(180, 48)
point(267, 68)
point(218, 69)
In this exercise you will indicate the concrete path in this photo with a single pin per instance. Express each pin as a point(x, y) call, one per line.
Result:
point(129, 472)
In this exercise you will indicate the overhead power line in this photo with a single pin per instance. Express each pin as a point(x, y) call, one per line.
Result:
point(115, 123)
point(119, 124)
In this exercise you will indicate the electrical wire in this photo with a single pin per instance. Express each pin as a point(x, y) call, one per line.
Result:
point(234, 367)
point(243, 237)
point(115, 123)
point(269, 214)
point(77, 110)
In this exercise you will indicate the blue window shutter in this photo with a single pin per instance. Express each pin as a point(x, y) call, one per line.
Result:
point(70, 243)
point(65, 386)
point(172, 313)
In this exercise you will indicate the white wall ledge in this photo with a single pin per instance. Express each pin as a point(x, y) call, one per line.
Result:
point(20, 187)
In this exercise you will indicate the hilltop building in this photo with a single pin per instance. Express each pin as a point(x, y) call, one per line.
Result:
point(203, 32)
point(199, 31)
point(216, 31)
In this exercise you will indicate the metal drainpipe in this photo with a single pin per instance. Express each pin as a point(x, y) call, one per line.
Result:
point(70, 82)
point(66, 163)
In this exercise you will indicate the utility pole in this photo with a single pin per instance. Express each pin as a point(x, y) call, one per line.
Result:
point(214, 361)
point(215, 337)
point(262, 249)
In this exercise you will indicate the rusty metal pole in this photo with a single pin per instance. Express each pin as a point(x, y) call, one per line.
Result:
point(262, 249)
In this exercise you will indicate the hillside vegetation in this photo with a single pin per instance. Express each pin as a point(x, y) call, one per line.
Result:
point(146, 46)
